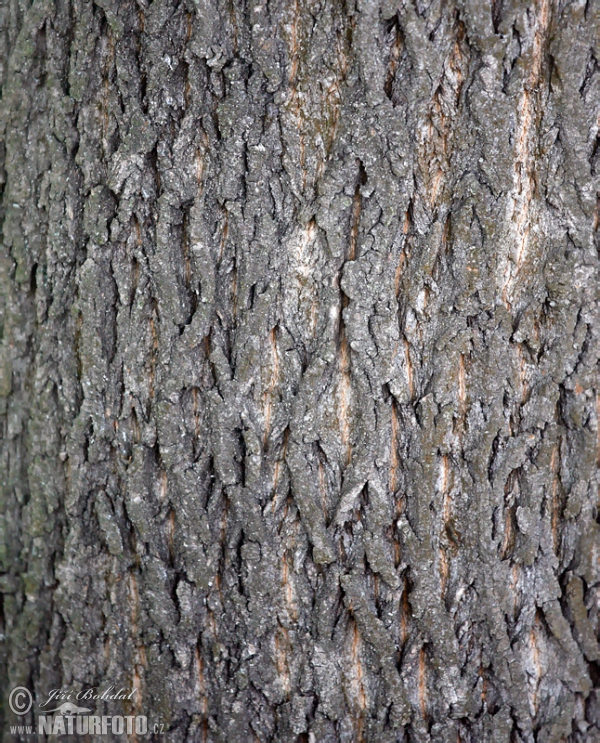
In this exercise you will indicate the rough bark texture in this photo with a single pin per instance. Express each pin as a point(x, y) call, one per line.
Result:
point(296, 374)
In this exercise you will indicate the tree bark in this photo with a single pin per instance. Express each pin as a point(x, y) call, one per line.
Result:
point(297, 365)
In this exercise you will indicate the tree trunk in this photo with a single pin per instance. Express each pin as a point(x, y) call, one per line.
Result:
point(296, 366)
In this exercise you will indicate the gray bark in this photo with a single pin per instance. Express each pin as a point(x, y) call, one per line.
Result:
point(297, 402)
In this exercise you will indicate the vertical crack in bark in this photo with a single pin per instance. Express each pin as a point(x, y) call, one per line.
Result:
point(287, 572)
point(437, 133)
point(555, 498)
point(423, 682)
point(345, 385)
point(154, 348)
point(296, 107)
point(277, 470)
point(345, 397)
point(359, 690)
point(294, 46)
point(323, 490)
point(535, 650)
point(522, 211)
point(394, 458)
point(405, 611)
point(282, 647)
point(396, 43)
point(224, 234)
point(139, 655)
point(511, 490)
point(201, 691)
point(273, 382)
point(410, 374)
point(104, 104)
point(447, 530)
